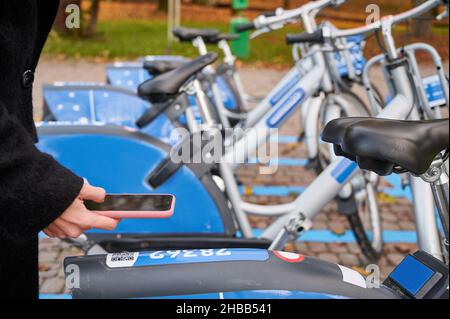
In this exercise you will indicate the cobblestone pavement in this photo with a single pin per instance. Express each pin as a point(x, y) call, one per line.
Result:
point(396, 213)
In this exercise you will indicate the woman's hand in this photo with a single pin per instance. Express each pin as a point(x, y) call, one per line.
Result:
point(77, 218)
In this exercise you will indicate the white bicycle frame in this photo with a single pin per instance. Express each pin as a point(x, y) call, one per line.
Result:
point(333, 179)
point(328, 184)
point(294, 90)
point(311, 68)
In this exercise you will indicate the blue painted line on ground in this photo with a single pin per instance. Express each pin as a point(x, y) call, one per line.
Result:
point(327, 236)
point(55, 296)
point(273, 190)
point(283, 161)
point(286, 139)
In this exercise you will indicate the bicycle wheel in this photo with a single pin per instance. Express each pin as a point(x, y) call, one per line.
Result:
point(357, 108)
point(364, 220)
point(361, 209)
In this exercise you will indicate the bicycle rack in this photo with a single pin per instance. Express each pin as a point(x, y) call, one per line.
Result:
point(432, 91)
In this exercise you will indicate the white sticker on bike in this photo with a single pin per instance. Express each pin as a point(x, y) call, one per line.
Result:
point(119, 260)
point(352, 277)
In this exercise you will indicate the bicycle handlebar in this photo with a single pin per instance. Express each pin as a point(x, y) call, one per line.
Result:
point(284, 16)
point(245, 27)
point(394, 19)
point(313, 38)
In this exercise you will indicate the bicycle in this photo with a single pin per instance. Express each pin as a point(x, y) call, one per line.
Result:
point(230, 182)
point(259, 274)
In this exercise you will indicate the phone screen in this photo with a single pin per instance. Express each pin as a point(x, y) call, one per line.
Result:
point(132, 203)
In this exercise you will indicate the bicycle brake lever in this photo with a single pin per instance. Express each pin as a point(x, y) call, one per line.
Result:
point(272, 27)
point(258, 32)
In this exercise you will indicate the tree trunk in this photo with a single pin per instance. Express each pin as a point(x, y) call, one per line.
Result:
point(94, 9)
point(422, 27)
point(163, 5)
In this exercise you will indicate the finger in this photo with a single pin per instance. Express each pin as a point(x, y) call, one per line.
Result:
point(69, 229)
point(56, 231)
point(96, 194)
point(102, 222)
point(49, 233)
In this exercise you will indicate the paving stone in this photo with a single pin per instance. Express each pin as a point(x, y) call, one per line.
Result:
point(320, 225)
point(338, 227)
point(349, 259)
point(382, 261)
point(353, 248)
point(389, 217)
point(47, 270)
point(385, 271)
point(302, 247)
point(338, 248)
point(49, 244)
point(329, 257)
point(48, 255)
point(53, 285)
point(317, 247)
point(404, 248)
point(389, 226)
point(407, 225)
point(395, 259)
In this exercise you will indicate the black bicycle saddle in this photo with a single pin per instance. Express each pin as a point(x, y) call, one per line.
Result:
point(189, 34)
point(380, 145)
point(156, 68)
point(220, 37)
point(167, 85)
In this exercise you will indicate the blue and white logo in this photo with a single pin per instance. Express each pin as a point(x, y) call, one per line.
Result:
point(287, 107)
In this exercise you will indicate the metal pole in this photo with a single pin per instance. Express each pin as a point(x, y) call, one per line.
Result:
point(170, 20)
point(177, 14)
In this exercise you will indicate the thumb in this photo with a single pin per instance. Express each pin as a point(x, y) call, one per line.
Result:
point(96, 194)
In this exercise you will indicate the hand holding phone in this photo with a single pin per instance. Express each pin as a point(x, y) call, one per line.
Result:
point(120, 206)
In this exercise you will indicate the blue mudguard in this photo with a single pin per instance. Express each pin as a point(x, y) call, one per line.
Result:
point(244, 273)
point(121, 160)
point(98, 103)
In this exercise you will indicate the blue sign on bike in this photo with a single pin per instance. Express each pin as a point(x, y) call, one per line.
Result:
point(286, 108)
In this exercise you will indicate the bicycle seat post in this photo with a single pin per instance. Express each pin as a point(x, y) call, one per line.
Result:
point(438, 178)
point(229, 58)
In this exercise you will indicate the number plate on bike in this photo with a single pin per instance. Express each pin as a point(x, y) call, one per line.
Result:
point(170, 257)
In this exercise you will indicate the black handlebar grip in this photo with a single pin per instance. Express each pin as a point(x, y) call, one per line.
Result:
point(315, 37)
point(269, 14)
point(245, 27)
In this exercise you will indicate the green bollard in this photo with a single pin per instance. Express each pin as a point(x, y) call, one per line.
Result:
point(241, 46)
point(239, 4)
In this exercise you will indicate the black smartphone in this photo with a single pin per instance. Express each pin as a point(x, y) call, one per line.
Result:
point(134, 206)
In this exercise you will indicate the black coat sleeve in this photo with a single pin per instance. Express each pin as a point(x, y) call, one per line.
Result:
point(34, 188)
